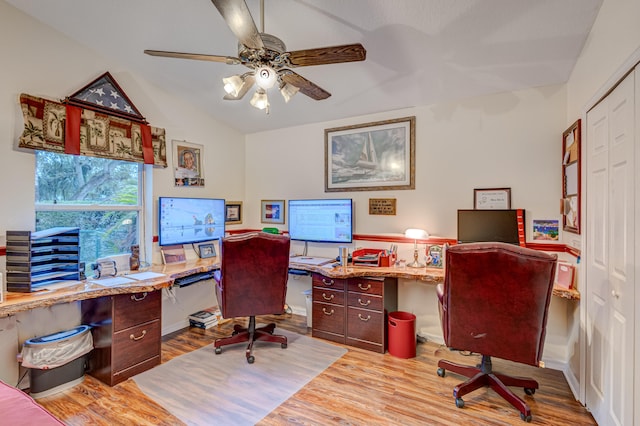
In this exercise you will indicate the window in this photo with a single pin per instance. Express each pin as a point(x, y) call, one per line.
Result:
point(100, 196)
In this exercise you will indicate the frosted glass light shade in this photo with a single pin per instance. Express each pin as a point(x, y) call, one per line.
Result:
point(288, 91)
point(233, 84)
point(259, 99)
point(416, 234)
point(266, 77)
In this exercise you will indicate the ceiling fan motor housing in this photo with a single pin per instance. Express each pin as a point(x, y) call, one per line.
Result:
point(270, 55)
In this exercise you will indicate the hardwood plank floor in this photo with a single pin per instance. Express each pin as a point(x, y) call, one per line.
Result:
point(361, 388)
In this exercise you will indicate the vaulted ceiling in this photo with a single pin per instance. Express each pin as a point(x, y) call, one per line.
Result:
point(419, 52)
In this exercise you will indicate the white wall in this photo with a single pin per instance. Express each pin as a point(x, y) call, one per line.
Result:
point(41, 62)
point(504, 140)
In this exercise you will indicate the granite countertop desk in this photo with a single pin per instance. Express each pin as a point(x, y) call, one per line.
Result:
point(89, 289)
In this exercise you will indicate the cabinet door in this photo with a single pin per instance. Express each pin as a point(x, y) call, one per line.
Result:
point(136, 308)
point(365, 329)
point(136, 344)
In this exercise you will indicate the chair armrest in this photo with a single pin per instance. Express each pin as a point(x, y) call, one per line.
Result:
point(440, 293)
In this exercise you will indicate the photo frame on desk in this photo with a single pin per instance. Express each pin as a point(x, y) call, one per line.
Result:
point(206, 251)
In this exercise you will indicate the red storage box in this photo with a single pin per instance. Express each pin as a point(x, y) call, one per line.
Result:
point(372, 257)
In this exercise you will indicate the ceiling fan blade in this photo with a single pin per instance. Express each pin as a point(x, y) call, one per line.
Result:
point(328, 55)
point(248, 84)
point(237, 16)
point(200, 57)
point(308, 88)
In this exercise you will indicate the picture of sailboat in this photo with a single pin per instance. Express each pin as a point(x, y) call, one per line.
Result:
point(368, 158)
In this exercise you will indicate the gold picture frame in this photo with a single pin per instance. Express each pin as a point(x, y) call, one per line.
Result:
point(233, 212)
point(371, 156)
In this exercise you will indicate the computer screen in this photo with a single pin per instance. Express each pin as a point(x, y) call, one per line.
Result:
point(323, 220)
point(489, 225)
point(189, 220)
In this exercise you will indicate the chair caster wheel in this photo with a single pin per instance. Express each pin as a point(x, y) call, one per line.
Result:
point(529, 391)
point(459, 403)
point(251, 359)
point(218, 351)
point(525, 418)
point(441, 372)
point(283, 345)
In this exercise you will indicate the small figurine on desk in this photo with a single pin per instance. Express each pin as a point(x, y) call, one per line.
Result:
point(134, 260)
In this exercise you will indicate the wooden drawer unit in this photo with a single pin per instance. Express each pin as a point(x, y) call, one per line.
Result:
point(126, 334)
point(354, 310)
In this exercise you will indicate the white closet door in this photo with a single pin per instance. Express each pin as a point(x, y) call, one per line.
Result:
point(610, 256)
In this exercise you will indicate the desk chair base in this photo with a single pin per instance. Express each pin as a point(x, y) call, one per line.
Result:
point(481, 376)
point(250, 334)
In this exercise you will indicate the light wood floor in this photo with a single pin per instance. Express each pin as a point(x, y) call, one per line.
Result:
point(361, 388)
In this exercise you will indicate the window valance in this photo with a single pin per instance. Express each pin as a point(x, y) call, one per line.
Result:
point(70, 129)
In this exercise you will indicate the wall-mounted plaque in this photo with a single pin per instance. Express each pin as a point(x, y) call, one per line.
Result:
point(382, 206)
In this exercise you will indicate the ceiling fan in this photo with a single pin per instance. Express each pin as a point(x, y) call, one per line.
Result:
point(268, 59)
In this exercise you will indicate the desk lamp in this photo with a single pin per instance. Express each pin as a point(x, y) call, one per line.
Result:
point(415, 235)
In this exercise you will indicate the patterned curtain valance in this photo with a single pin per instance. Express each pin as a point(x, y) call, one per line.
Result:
point(53, 126)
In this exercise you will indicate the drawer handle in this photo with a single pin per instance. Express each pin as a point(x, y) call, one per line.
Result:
point(327, 313)
point(132, 337)
point(361, 287)
point(325, 297)
point(325, 282)
point(134, 297)
point(364, 304)
point(363, 318)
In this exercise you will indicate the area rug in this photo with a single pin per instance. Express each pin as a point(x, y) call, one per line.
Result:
point(202, 388)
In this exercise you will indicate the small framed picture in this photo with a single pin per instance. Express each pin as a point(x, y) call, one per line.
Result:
point(272, 211)
point(206, 250)
point(233, 212)
point(492, 199)
point(188, 164)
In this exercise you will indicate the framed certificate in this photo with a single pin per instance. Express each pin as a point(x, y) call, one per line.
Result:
point(492, 199)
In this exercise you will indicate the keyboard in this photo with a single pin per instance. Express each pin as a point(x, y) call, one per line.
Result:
point(192, 279)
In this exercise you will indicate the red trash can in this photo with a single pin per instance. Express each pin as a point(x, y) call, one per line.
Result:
point(402, 334)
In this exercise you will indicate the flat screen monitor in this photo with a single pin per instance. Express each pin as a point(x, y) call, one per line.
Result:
point(189, 220)
point(323, 221)
point(489, 225)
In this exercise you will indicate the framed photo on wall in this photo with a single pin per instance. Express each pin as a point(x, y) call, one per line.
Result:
point(492, 199)
point(272, 211)
point(371, 156)
point(188, 167)
point(233, 212)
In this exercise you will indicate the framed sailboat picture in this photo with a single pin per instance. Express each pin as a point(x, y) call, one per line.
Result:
point(371, 156)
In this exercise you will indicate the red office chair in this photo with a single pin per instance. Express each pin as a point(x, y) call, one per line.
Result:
point(252, 280)
point(495, 302)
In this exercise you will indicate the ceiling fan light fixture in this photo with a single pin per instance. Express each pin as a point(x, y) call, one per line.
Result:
point(266, 77)
point(233, 84)
point(288, 91)
point(260, 100)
